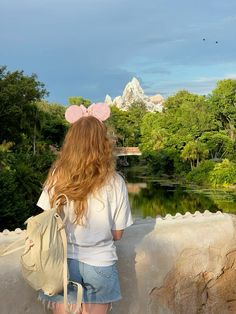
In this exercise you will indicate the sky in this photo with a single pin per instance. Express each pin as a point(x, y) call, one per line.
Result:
point(91, 48)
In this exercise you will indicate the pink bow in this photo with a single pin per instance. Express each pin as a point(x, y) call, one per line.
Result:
point(101, 111)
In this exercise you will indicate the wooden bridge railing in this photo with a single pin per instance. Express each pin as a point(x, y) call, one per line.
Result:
point(128, 151)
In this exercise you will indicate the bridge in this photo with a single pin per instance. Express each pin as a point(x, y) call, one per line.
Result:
point(127, 151)
point(119, 151)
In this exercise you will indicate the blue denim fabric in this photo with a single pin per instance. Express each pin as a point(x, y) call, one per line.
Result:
point(100, 284)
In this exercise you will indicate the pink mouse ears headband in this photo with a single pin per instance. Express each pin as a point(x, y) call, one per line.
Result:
point(101, 111)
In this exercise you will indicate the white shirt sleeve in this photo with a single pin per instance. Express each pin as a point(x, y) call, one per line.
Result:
point(122, 217)
point(43, 201)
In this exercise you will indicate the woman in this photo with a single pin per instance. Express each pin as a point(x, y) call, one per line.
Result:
point(99, 209)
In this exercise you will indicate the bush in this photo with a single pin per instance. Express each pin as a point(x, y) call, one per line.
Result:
point(21, 178)
point(216, 174)
point(201, 174)
point(165, 162)
point(223, 174)
point(14, 205)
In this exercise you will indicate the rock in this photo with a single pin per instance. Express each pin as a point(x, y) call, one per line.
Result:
point(132, 93)
point(108, 100)
point(118, 102)
point(157, 99)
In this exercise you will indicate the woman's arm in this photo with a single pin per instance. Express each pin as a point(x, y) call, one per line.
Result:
point(117, 234)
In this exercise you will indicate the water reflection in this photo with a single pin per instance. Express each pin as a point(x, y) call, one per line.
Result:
point(135, 188)
point(158, 198)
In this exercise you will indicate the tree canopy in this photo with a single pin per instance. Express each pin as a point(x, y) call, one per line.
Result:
point(18, 92)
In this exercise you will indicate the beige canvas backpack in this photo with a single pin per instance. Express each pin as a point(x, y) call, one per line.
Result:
point(44, 260)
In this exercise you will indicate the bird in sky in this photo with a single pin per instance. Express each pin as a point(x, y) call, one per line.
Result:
point(204, 39)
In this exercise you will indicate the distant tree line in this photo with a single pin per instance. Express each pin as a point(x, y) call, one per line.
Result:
point(193, 139)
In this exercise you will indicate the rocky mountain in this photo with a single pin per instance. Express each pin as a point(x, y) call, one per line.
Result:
point(133, 92)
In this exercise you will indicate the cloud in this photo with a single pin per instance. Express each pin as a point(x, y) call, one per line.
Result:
point(215, 78)
point(230, 76)
point(169, 88)
point(161, 41)
point(156, 70)
point(93, 47)
point(201, 85)
point(95, 87)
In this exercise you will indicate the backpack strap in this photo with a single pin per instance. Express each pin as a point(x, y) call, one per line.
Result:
point(66, 208)
point(79, 297)
point(65, 270)
point(10, 248)
point(61, 229)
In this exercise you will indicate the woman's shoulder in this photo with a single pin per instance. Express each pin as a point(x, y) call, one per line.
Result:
point(117, 180)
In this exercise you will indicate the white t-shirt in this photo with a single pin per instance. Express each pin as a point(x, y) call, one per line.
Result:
point(108, 209)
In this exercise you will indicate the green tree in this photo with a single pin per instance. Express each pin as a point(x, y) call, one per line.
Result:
point(118, 126)
point(182, 96)
point(5, 149)
point(153, 135)
point(223, 104)
point(135, 115)
point(54, 125)
point(220, 145)
point(79, 100)
point(126, 124)
point(17, 94)
point(194, 152)
point(223, 174)
point(188, 120)
point(184, 119)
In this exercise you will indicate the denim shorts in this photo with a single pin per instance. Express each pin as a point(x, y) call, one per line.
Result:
point(100, 284)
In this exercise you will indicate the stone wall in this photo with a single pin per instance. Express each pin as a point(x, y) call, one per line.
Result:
point(176, 265)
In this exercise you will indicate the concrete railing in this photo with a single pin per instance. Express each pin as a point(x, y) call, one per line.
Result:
point(176, 265)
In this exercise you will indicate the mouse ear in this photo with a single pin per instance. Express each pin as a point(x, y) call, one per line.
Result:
point(73, 113)
point(101, 111)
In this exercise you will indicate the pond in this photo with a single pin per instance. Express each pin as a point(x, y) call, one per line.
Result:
point(149, 197)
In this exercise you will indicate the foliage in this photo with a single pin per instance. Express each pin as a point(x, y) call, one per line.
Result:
point(223, 174)
point(201, 174)
point(214, 174)
point(194, 128)
point(20, 183)
point(219, 144)
point(194, 151)
point(79, 100)
point(5, 149)
point(25, 156)
point(125, 125)
point(18, 92)
point(164, 162)
point(223, 102)
point(14, 205)
point(117, 125)
point(153, 136)
point(54, 125)
point(135, 115)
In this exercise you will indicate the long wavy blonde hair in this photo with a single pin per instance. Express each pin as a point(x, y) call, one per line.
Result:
point(83, 165)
